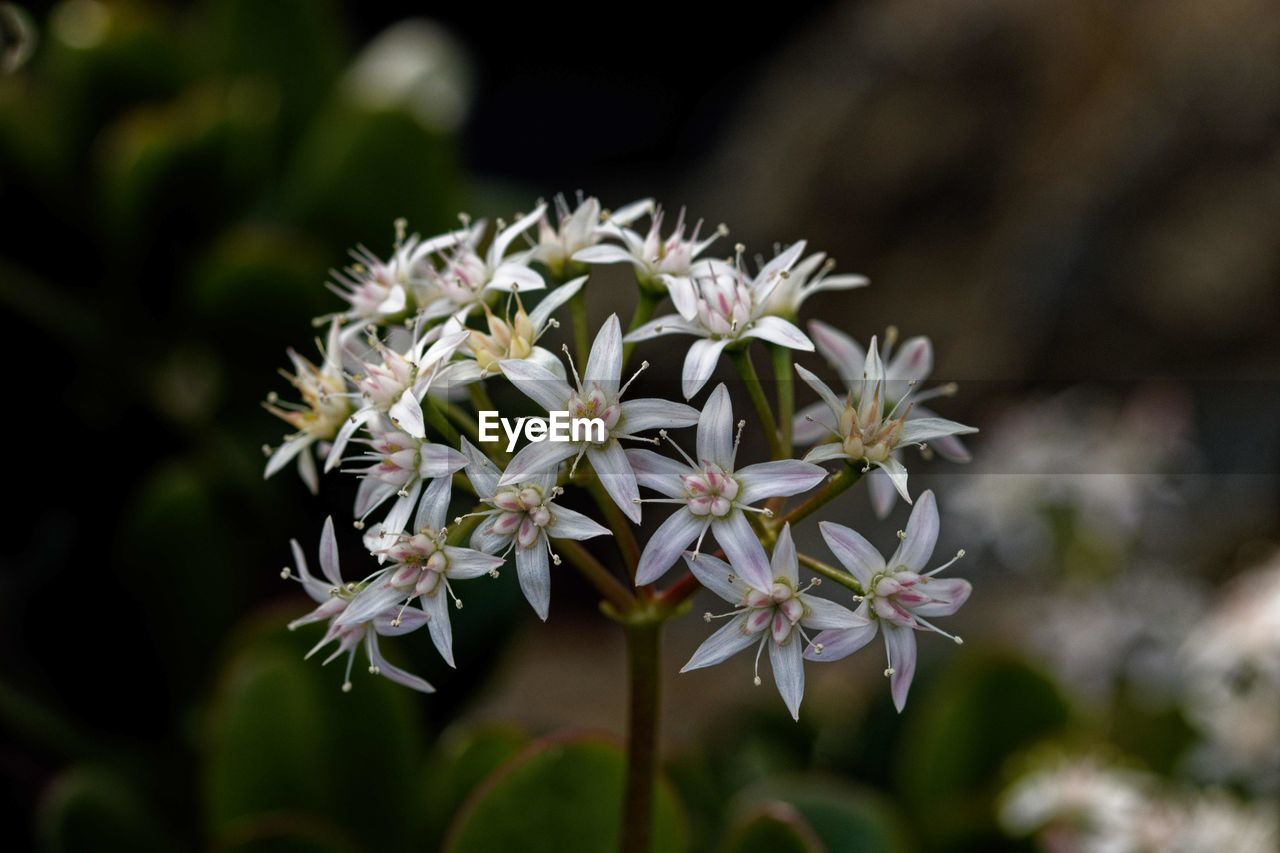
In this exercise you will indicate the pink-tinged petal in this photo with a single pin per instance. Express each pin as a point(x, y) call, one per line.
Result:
point(921, 535)
point(436, 607)
point(488, 540)
point(901, 645)
point(834, 403)
point(605, 253)
point(718, 577)
point(647, 413)
point(482, 473)
point(536, 458)
point(823, 615)
point(743, 549)
point(433, 509)
point(783, 561)
point(348, 429)
point(778, 331)
point(732, 638)
point(699, 364)
point(916, 430)
point(615, 474)
point(537, 383)
point(897, 474)
point(329, 554)
point(946, 596)
point(406, 414)
point(370, 494)
point(912, 361)
point(948, 447)
point(392, 672)
point(855, 553)
point(604, 364)
point(439, 460)
point(398, 516)
point(534, 572)
point(466, 563)
point(317, 589)
point(666, 544)
point(842, 352)
point(840, 643)
point(680, 289)
point(777, 479)
point(568, 524)
point(515, 277)
point(882, 492)
point(827, 453)
point(657, 472)
point(668, 324)
point(539, 315)
point(815, 422)
point(788, 673)
point(284, 454)
point(398, 621)
point(715, 429)
point(370, 602)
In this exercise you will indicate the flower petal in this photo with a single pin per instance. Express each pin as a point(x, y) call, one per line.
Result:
point(882, 492)
point(842, 352)
point(370, 602)
point(841, 642)
point(900, 643)
point(821, 614)
point(604, 253)
point(534, 571)
point(788, 673)
point(537, 383)
point(647, 413)
point(392, 672)
point(743, 549)
point(542, 312)
point(855, 553)
point(778, 331)
point(699, 364)
point(436, 607)
point(482, 473)
point(406, 414)
point(947, 595)
point(466, 563)
point(916, 430)
point(921, 535)
point(683, 297)
point(783, 561)
point(568, 524)
point(834, 403)
point(897, 473)
point(512, 277)
point(718, 577)
point(715, 430)
point(813, 423)
point(329, 554)
point(777, 479)
point(671, 538)
point(604, 364)
point(535, 458)
point(827, 453)
point(657, 472)
point(433, 509)
point(284, 454)
point(615, 474)
point(722, 645)
point(668, 324)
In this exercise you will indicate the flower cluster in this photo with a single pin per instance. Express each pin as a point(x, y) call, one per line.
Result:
point(427, 333)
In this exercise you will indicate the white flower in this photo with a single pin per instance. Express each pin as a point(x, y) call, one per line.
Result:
point(598, 395)
point(579, 229)
point(904, 369)
point(659, 263)
point(318, 418)
point(422, 565)
point(465, 277)
point(513, 336)
point(898, 594)
point(334, 598)
point(869, 430)
point(711, 493)
point(806, 278)
point(1097, 806)
point(727, 308)
point(399, 464)
point(524, 517)
point(395, 387)
point(382, 292)
point(770, 609)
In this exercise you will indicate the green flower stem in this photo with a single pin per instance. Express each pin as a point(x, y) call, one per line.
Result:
point(434, 417)
point(645, 306)
point(837, 483)
point(747, 370)
point(581, 338)
point(618, 522)
point(783, 376)
point(831, 573)
point(463, 419)
point(644, 654)
point(610, 588)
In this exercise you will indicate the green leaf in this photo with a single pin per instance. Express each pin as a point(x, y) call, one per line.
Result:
point(465, 759)
point(562, 795)
point(844, 817)
point(89, 808)
point(773, 827)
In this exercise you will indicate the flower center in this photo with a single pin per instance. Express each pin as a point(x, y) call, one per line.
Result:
point(592, 402)
point(724, 304)
point(525, 511)
point(710, 491)
point(779, 609)
point(422, 563)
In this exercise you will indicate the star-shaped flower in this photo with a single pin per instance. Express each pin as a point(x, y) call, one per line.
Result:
point(579, 229)
point(712, 494)
point(729, 308)
point(770, 609)
point(900, 595)
point(334, 598)
point(514, 336)
point(598, 395)
point(400, 465)
point(806, 278)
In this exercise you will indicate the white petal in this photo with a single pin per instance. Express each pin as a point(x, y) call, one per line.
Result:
point(436, 607)
point(536, 458)
point(615, 474)
point(348, 429)
point(882, 492)
point(827, 453)
point(852, 551)
point(821, 614)
point(433, 509)
point(743, 549)
point(553, 300)
point(666, 544)
point(537, 383)
point(718, 577)
point(788, 673)
point(394, 673)
point(897, 473)
point(699, 364)
point(783, 562)
point(842, 642)
point(647, 413)
point(901, 645)
point(668, 324)
point(534, 571)
point(410, 619)
point(777, 479)
point(683, 298)
point(329, 554)
point(466, 563)
point(916, 430)
point(723, 644)
point(482, 473)
point(660, 473)
point(812, 423)
point(284, 453)
point(398, 516)
point(605, 253)
point(778, 331)
point(604, 364)
point(921, 535)
point(568, 524)
point(439, 460)
point(715, 430)
point(842, 352)
point(370, 602)
point(406, 413)
point(503, 238)
point(833, 402)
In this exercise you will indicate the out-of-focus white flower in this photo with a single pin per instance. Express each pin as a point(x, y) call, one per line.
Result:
point(524, 517)
point(905, 367)
point(659, 263)
point(770, 609)
point(324, 408)
point(898, 594)
point(579, 229)
point(1079, 804)
point(1232, 664)
point(334, 598)
point(868, 430)
point(807, 277)
point(399, 465)
point(465, 277)
point(513, 337)
point(1080, 458)
point(711, 492)
point(422, 565)
point(727, 308)
point(598, 395)
point(383, 291)
point(1214, 822)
